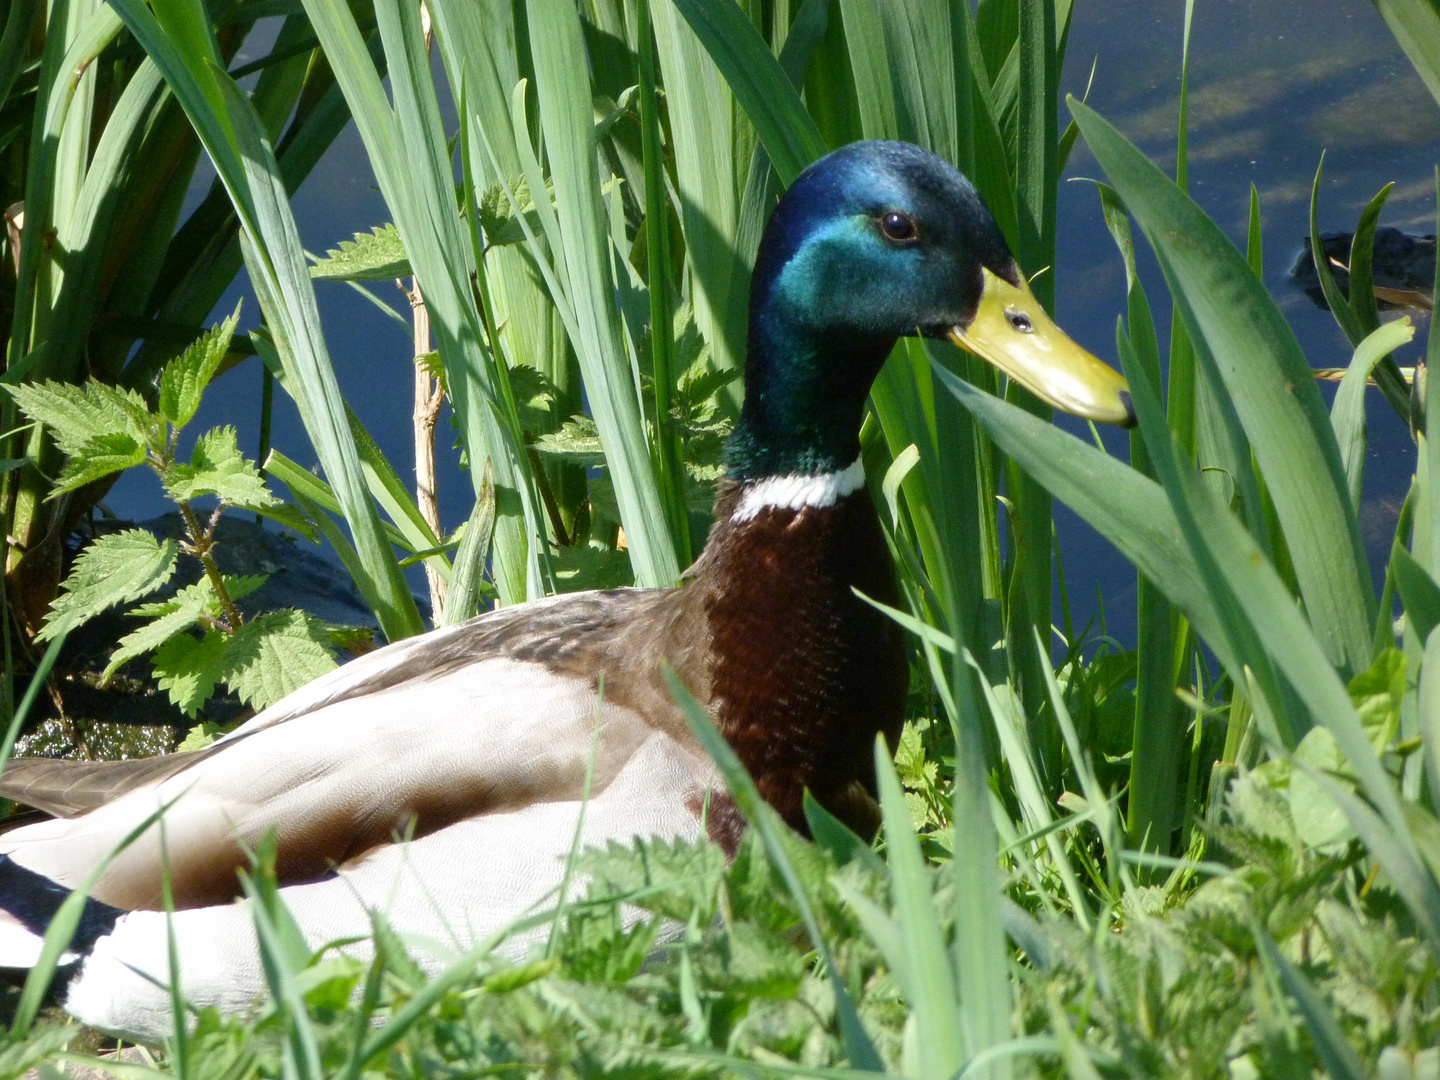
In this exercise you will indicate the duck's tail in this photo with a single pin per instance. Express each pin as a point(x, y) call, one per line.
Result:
point(29, 903)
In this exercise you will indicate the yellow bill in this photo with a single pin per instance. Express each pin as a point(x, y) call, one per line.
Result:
point(1012, 331)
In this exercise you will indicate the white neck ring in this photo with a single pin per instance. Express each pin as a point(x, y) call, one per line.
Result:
point(798, 490)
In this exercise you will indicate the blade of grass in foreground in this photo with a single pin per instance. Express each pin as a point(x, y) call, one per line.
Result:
point(407, 150)
point(933, 1003)
point(580, 253)
point(759, 83)
point(1157, 732)
point(1251, 613)
point(1347, 413)
point(1128, 509)
point(1416, 26)
point(1279, 647)
point(758, 813)
point(1331, 1044)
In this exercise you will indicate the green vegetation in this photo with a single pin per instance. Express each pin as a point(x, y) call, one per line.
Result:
point(1216, 855)
point(102, 430)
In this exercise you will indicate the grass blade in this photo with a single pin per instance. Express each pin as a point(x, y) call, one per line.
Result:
point(567, 117)
point(759, 83)
point(63, 926)
point(471, 556)
point(938, 1019)
point(1347, 413)
point(1416, 26)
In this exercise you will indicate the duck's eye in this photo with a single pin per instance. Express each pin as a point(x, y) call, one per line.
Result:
point(1019, 321)
point(897, 226)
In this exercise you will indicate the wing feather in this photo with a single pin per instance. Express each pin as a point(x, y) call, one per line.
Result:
point(345, 778)
point(65, 788)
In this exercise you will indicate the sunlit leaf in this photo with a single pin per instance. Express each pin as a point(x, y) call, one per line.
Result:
point(114, 569)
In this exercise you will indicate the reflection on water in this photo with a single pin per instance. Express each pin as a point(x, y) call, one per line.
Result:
point(1273, 84)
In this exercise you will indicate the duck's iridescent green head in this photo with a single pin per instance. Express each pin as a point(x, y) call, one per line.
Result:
point(872, 242)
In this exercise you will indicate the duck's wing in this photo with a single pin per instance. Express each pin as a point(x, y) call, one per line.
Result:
point(494, 716)
point(583, 622)
point(444, 893)
point(65, 787)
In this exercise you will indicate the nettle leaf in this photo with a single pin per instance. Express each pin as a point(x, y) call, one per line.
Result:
point(113, 570)
point(374, 256)
point(597, 946)
point(79, 414)
point(101, 456)
point(185, 378)
point(21, 1057)
point(747, 960)
point(188, 668)
point(189, 606)
point(674, 879)
point(534, 395)
point(217, 467)
point(1377, 694)
point(578, 440)
point(155, 633)
point(240, 586)
point(275, 653)
point(497, 216)
point(202, 735)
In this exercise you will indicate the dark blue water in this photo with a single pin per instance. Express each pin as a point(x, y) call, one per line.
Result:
point(1272, 85)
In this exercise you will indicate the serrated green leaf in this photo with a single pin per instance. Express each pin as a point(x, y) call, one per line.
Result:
point(101, 456)
point(217, 467)
point(498, 219)
point(578, 440)
point(188, 669)
point(750, 962)
point(201, 736)
point(377, 255)
point(275, 653)
point(78, 414)
point(185, 378)
point(17, 1059)
point(534, 395)
point(676, 878)
point(189, 606)
point(1317, 819)
point(113, 570)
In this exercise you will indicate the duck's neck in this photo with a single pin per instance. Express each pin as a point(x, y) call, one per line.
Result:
point(805, 395)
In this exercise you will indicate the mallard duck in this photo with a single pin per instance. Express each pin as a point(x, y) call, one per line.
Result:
point(439, 779)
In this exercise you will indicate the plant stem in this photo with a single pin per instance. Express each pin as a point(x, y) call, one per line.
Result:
point(429, 397)
point(202, 546)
